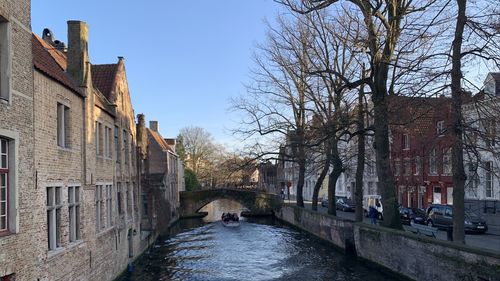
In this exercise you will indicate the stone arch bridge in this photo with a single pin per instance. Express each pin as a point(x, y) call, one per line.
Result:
point(257, 202)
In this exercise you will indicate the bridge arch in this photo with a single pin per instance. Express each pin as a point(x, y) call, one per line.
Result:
point(257, 202)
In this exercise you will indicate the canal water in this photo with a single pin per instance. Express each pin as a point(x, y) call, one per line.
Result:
point(203, 249)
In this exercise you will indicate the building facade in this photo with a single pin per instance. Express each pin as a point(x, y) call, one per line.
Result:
point(482, 153)
point(18, 225)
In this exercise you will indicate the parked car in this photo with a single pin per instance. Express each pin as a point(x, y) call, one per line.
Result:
point(324, 202)
point(374, 201)
point(345, 205)
point(412, 215)
point(442, 216)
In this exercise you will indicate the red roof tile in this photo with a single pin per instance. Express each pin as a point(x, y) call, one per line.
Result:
point(158, 139)
point(51, 62)
point(103, 78)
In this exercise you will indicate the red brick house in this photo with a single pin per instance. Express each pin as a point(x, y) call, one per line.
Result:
point(421, 150)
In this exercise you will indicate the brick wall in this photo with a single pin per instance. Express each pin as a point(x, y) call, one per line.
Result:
point(18, 254)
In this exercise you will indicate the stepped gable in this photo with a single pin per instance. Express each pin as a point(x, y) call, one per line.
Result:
point(103, 78)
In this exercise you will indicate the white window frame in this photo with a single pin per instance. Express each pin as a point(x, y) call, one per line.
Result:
point(4, 185)
point(12, 139)
point(418, 165)
point(407, 166)
point(5, 62)
point(433, 162)
point(447, 161)
point(488, 179)
point(440, 128)
point(54, 207)
point(406, 142)
point(397, 167)
point(74, 201)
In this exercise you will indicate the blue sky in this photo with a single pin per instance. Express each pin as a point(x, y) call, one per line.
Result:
point(184, 59)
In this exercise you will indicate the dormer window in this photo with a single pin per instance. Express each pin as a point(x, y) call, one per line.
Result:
point(440, 128)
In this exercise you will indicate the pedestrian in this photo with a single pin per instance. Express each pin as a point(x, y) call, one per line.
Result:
point(282, 193)
point(373, 213)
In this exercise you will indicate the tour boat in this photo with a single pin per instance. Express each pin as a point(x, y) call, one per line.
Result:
point(230, 219)
point(230, 223)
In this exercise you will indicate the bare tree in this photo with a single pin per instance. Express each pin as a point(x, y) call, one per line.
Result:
point(276, 101)
point(383, 22)
point(199, 148)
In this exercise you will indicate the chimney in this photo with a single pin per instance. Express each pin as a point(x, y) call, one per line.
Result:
point(142, 138)
point(78, 56)
point(153, 126)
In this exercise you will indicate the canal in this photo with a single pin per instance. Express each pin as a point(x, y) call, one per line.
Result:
point(263, 249)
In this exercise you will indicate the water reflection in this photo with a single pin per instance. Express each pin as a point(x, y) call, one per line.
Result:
point(251, 251)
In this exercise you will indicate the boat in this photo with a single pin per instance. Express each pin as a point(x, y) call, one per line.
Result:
point(230, 219)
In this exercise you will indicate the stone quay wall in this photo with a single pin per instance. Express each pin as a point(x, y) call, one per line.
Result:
point(403, 254)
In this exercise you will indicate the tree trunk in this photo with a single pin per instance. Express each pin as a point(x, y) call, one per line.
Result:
point(459, 176)
point(384, 171)
point(358, 192)
point(332, 178)
point(321, 178)
point(301, 161)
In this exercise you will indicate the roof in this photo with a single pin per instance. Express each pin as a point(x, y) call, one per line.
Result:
point(103, 78)
point(159, 140)
point(495, 75)
point(417, 114)
point(51, 62)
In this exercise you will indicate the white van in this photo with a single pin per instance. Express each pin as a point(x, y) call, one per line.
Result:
point(376, 202)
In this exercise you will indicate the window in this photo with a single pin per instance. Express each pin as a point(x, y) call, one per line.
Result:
point(144, 205)
point(490, 132)
point(98, 140)
point(99, 205)
point(432, 162)
point(5, 61)
point(63, 125)
point(447, 161)
point(407, 167)
point(488, 179)
point(109, 204)
point(397, 164)
point(117, 145)
point(4, 185)
point(119, 198)
point(418, 165)
point(406, 142)
point(107, 142)
point(125, 147)
point(473, 178)
point(440, 128)
point(54, 206)
point(129, 199)
point(371, 190)
point(74, 213)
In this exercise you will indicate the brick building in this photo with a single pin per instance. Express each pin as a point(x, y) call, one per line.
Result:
point(160, 177)
point(420, 145)
point(18, 225)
